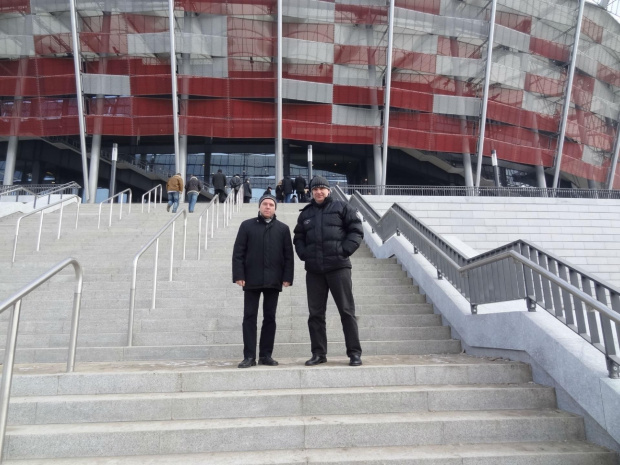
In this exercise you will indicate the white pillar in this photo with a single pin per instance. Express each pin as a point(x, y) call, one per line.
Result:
point(541, 181)
point(388, 88)
point(11, 159)
point(467, 171)
point(279, 135)
point(173, 73)
point(95, 152)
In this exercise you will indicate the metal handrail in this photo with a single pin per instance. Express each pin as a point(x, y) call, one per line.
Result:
point(11, 189)
point(73, 198)
point(463, 191)
point(49, 192)
point(211, 208)
point(148, 193)
point(110, 199)
point(134, 276)
point(519, 270)
point(15, 301)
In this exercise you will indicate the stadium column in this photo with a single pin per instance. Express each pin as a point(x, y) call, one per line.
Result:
point(540, 176)
point(485, 94)
point(388, 89)
point(185, 71)
point(80, 98)
point(279, 148)
point(175, 94)
point(373, 85)
point(567, 97)
point(11, 158)
point(11, 151)
point(95, 146)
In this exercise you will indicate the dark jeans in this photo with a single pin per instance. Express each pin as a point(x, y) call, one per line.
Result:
point(339, 283)
point(250, 314)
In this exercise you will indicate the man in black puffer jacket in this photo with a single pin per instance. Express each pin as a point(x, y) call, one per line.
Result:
point(327, 233)
point(262, 262)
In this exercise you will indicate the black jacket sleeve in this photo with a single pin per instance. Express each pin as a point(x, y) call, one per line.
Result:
point(239, 251)
point(354, 231)
point(289, 257)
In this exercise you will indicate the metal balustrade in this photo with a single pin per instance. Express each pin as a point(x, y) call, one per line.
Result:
point(15, 302)
point(153, 192)
point(55, 189)
point(463, 191)
point(518, 270)
point(39, 190)
point(210, 211)
point(72, 199)
point(111, 200)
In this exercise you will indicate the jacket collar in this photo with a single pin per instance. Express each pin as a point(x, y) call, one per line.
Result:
point(327, 201)
point(262, 219)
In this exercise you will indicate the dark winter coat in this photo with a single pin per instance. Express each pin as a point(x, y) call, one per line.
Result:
point(287, 186)
point(219, 181)
point(300, 184)
point(193, 185)
point(235, 183)
point(326, 235)
point(263, 254)
point(247, 190)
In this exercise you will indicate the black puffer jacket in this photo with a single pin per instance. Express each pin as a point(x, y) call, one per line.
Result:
point(326, 235)
point(263, 254)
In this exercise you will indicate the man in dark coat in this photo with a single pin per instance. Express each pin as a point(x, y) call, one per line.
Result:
point(219, 185)
point(247, 191)
point(328, 231)
point(300, 188)
point(262, 262)
point(287, 189)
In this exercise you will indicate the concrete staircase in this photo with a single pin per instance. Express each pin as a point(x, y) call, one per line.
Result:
point(176, 395)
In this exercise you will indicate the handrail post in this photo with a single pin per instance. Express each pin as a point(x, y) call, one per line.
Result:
point(75, 317)
point(171, 252)
point(155, 274)
point(185, 236)
point(60, 220)
point(200, 233)
point(111, 208)
point(7, 371)
point(40, 229)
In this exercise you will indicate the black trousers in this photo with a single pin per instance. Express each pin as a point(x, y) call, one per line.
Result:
point(268, 330)
point(339, 283)
point(221, 193)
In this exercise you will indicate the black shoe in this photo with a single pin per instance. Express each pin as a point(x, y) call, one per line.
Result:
point(315, 360)
point(168, 208)
point(267, 361)
point(356, 360)
point(247, 363)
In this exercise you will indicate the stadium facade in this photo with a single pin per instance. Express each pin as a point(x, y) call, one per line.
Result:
point(274, 76)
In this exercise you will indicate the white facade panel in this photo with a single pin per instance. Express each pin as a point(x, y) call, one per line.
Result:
point(307, 91)
point(106, 84)
point(511, 38)
point(460, 9)
point(603, 91)
point(542, 30)
point(542, 105)
point(198, 44)
point(605, 108)
point(351, 116)
point(307, 51)
point(16, 46)
point(454, 105)
point(209, 25)
point(17, 25)
point(586, 64)
point(419, 43)
point(599, 53)
point(592, 157)
point(148, 44)
point(49, 6)
point(439, 25)
point(350, 34)
point(508, 75)
point(356, 76)
point(542, 67)
point(215, 67)
point(460, 67)
point(611, 40)
point(310, 10)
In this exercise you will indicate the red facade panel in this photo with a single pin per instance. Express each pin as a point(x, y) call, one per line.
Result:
point(521, 23)
point(608, 75)
point(307, 113)
point(452, 47)
point(549, 49)
point(359, 55)
point(351, 95)
point(519, 117)
point(57, 44)
point(15, 6)
point(104, 43)
point(151, 85)
point(323, 72)
point(543, 85)
point(592, 30)
point(413, 61)
point(425, 6)
point(411, 100)
point(309, 31)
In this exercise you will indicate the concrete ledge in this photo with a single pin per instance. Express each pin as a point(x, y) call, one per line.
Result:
point(559, 357)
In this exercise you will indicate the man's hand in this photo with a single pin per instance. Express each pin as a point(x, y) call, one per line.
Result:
point(240, 283)
point(286, 284)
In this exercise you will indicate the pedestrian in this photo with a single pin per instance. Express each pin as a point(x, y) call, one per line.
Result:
point(300, 187)
point(262, 263)
point(327, 233)
point(174, 187)
point(287, 188)
point(219, 185)
point(193, 188)
point(235, 185)
point(279, 192)
point(247, 191)
point(267, 191)
point(294, 199)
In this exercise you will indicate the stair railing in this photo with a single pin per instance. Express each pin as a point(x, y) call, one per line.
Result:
point(13, 191)
point(15, 302)
point(518, 270)
point(152, 192)
point(210, 210)
point(134, 276)
point(111, 200)
point(72, 199)
point(73, 186)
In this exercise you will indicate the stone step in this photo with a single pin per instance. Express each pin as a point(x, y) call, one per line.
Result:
point(540, 453)
point(310, 432)
point(41, 410)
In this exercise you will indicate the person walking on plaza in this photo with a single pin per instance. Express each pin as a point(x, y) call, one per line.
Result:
point(327, 233)
point(268, 191)
point(262, 263)
point(235, 185)
point(174, 187)
point(287, 188)
point(247, 191)
point(193, 188)
point(219, 185)
point(279, 192)
point(300, 188)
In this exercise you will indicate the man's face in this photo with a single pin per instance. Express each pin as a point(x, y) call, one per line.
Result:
point(267, 208)
point(319, 194)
